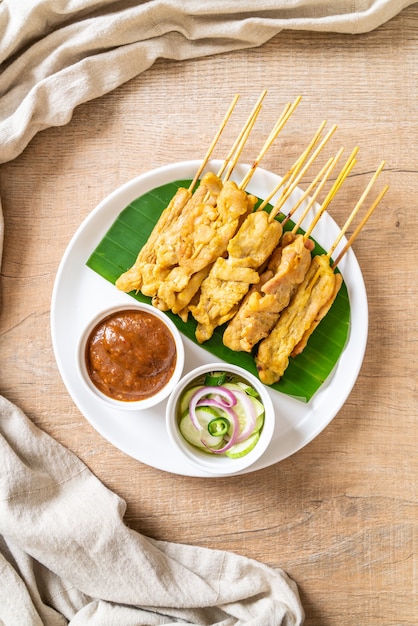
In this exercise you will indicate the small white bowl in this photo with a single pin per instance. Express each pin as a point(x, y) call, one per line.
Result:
point(219, 464)
point(147, 402)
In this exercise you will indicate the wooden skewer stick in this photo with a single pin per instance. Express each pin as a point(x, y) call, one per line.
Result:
point(325, 172)
point(282, 182)
point(214, 142)
point(356, 208)
point(240, 141)
point(349, 164)
point(294, 169)
point(274, 133)
point(303, 171)
point(302, 161)
point(324, 175)
point(241, 145)
point(359, 227)
point(295, 174)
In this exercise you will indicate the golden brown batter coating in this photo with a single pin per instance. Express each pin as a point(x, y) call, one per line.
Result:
point(297, 321)
point(261, 307)
point(230, 278)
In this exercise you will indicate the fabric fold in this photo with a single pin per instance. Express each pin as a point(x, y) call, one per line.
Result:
point(57, 54)
point(66, 552)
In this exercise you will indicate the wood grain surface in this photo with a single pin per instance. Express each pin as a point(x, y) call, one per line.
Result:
point(340, 516)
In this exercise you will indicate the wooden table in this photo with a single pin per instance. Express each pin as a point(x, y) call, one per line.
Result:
point(340, 516)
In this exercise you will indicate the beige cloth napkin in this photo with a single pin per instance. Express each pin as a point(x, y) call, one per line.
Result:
point(56, 54)
point(66, 555)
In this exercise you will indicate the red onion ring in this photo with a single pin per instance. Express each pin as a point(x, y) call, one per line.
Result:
point(249, 407)
point(224, 399)
point(200, 393)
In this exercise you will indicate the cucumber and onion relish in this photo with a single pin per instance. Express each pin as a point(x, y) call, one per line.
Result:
point(221, 413)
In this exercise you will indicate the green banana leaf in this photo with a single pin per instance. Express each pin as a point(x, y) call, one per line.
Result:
point(305, 374)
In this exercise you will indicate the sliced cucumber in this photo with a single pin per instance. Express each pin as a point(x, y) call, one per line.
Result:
point(242, 412)
point(232, 386)
point(203, 439)
point(194, 436)
point(250, 391)
point(185, 399)
point(244, 447)
point(258, 406)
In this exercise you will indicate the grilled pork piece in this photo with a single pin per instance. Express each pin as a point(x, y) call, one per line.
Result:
point(203, 238)
point(261, 307)
point(230, 278)
point(132, 278)
point(312, 297)
point(148, 269)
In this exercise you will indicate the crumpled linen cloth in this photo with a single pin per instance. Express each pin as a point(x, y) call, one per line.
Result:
point(66, 555)
point(56, 54)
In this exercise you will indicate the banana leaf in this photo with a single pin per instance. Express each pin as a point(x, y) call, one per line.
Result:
point(305, 374)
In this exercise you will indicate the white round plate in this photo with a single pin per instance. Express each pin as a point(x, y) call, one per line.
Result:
point(79, 292)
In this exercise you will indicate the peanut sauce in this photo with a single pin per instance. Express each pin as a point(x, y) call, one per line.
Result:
point(130, 355)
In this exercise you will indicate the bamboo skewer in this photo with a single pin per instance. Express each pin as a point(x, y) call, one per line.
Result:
point(359, 227)
point(282, 182)
point(240, 145)
point(272, 136)
point(331, 163)
point(356, 208)
point(303, 171)
point(324, 174)
point(294, 169)
point(349, 164)
point(214, 142)
point(240, 141)
point(301, 162)
point(307, 165)
point(287, 112)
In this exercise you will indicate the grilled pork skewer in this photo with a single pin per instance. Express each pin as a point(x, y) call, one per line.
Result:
point(178, 242)
point(230, 278)
point(186, 238)
point(317, 291)
point(145, 274)
point(309, 305)
point(324, 310)
point(287, 268)
point(201, 236)
point(132, 279)
point(171, 295)
point(261, 307)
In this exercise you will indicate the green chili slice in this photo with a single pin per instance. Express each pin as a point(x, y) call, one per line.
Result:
point(214, 379)
point(218, 427)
